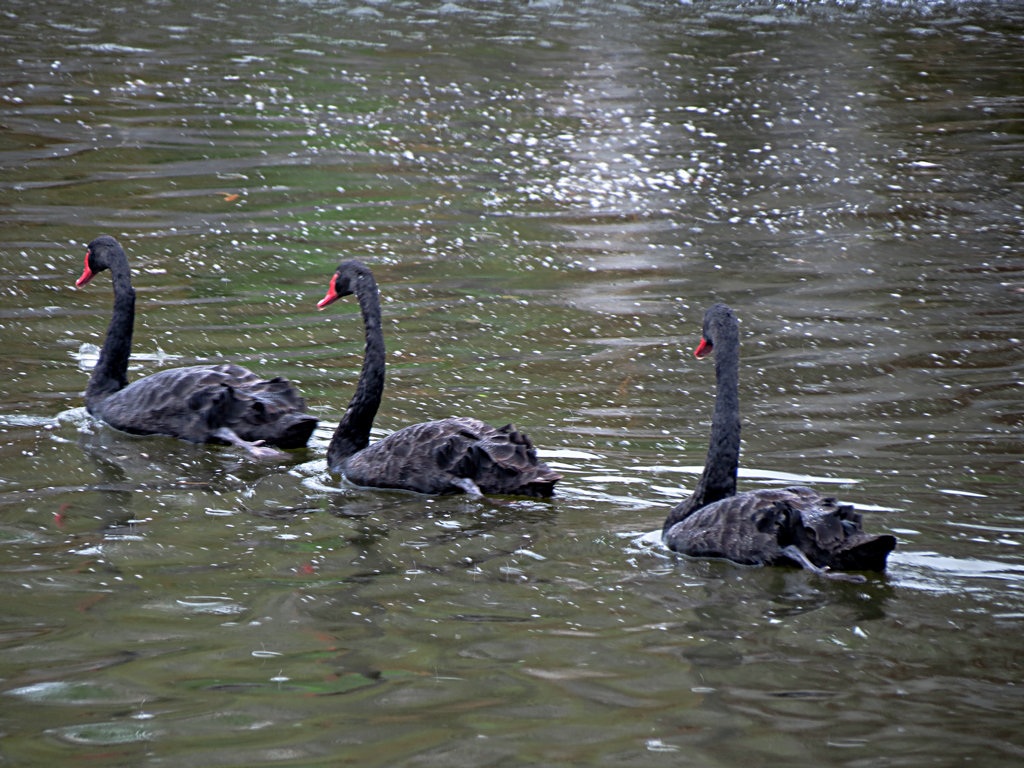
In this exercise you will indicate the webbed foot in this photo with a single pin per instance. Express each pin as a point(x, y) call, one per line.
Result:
point(256, 449)
point(796, 555)
point(468, 486)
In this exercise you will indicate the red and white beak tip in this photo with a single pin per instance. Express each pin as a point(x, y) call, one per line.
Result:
point(87, 274)
point(332, 296)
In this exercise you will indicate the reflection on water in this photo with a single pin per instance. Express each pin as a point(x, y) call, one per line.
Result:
point(89, 354)
point(549, 193)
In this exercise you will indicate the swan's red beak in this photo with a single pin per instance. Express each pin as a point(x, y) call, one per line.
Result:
point(87, 275)
point(331, 297)
point(703, 349)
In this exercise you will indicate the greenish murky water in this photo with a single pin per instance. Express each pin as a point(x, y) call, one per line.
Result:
point(549, 193)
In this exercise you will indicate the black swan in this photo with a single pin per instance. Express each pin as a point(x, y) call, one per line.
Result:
point(223, 404)
point(792, 526)
point(454, 455)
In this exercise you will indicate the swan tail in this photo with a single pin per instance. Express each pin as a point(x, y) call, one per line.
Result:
point(867, 553)
point(267, 415)
point(504, 461)
point(831, 535)
point(268, 410)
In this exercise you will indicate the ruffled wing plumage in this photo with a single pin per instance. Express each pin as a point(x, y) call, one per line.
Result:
point(754, 528)
point(438, 456)
point(193, 403)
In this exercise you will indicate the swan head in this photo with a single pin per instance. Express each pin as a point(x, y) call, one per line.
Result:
point(346, 281)
point(719, 320)
point(98, 256)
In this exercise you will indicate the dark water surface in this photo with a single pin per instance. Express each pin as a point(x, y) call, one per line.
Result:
point(550, 193)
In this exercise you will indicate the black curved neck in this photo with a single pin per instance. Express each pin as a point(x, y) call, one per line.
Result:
point(111, 371)
point(718, 480)
point(353, 431)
